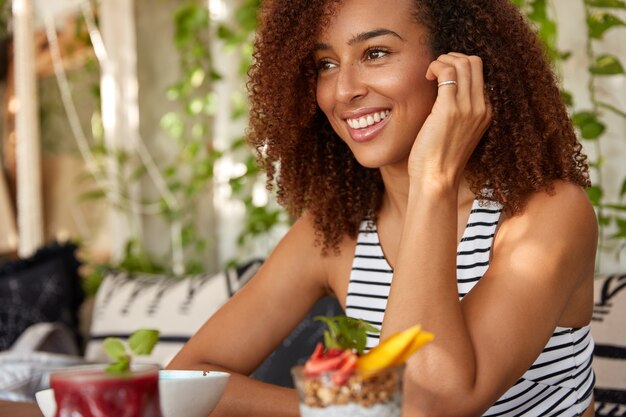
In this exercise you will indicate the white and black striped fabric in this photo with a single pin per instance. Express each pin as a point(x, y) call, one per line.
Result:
point(561, 380)
point(608, 327)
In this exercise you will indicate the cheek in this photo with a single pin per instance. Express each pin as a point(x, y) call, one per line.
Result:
point(325, 101)
point(421, 94)
point(322, 95)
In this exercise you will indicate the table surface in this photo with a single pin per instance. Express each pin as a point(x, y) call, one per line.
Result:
point(19, 409)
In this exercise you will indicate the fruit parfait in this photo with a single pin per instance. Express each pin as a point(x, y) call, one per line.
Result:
point(340, 380)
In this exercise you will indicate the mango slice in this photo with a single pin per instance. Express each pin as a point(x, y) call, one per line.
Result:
point(420, 340)
point(395, 350)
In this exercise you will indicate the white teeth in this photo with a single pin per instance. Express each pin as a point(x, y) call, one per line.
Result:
point(368, 120)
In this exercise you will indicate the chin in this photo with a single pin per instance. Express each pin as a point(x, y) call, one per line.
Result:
point(379, 159)
point(372, 163)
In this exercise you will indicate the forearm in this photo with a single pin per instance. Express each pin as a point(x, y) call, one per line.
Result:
point(244, 396)
point(424, 291)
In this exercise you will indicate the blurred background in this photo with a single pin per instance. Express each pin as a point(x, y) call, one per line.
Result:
point(123, 123)
point(129, 199)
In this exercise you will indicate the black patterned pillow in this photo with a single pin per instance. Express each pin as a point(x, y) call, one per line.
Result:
point(608, 328)
point(43, 288)
point(298, 346)
point(176, 307)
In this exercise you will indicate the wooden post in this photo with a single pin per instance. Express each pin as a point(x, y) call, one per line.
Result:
point(28, 149)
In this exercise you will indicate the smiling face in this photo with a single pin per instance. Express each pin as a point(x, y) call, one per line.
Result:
point(371, 85)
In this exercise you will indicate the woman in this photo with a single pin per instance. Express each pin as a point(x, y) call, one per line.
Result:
point(424, 141)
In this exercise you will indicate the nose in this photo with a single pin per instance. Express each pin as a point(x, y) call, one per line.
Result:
point(350, 84)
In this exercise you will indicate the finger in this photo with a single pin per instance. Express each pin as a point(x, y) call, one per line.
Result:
point(464, 77)
point(478, 94)
point(441, 72)
point(476, 63)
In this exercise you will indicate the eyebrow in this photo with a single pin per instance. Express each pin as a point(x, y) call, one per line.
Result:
point(362, 37)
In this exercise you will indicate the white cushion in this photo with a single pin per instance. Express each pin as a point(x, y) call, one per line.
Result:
point(177, 307)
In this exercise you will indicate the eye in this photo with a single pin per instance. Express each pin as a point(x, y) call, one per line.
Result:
point(324, 65)
point(376, 53)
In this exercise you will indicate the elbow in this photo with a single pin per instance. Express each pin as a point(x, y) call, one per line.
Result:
point(429, 404)
point(440, 397)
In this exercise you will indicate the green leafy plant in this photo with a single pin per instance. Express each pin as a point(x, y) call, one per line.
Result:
point(346, 333)
point(181, 175)
point(141, 342)
point(260, 219)
point(188, 169)
point(591, 121)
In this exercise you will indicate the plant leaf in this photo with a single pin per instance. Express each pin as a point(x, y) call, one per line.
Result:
point(600, 22)
point(567, 98)
point(143, 341)
point(595, 194)
point(346, 332)
point(618, 207)
point(546, 26)
point(607, 64)
point(114, 348)
point(92, 195)
point(604, 220)
point(121, 366)
point(589, 125)
point(621, 225)
point(614, 4)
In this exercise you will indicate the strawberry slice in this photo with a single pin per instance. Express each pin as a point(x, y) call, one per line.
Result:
point(342, 375)
point(319, 350)
point(332, 352)
point(338, 360)
point(323, 364)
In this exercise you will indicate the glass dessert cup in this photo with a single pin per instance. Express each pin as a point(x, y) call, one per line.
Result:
point(371, 394)
point(91, 392)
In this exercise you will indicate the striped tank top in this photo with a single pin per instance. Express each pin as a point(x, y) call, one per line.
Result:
point(561, 380)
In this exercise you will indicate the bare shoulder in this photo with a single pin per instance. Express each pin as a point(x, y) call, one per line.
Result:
point(565, 209)
point(334, 264)
point(299, 247)
point(557, 230)
point(570, 198)
point(301, 252)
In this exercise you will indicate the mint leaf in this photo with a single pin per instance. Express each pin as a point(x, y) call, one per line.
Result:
point(114, 348)
point(346, 332)
point(121, 366)
point(143, 341)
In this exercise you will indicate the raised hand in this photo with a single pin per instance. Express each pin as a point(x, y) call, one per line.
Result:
point(459, 118)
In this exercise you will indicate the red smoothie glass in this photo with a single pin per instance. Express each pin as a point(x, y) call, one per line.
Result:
point(94, 393)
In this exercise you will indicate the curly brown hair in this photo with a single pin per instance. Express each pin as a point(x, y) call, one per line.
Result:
point(529, 143)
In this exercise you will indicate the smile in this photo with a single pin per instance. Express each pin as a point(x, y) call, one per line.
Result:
point(367, 120)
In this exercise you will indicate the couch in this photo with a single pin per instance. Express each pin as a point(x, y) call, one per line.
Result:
point(44, 290)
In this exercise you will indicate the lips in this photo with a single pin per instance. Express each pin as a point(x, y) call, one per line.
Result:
point(365, 126)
